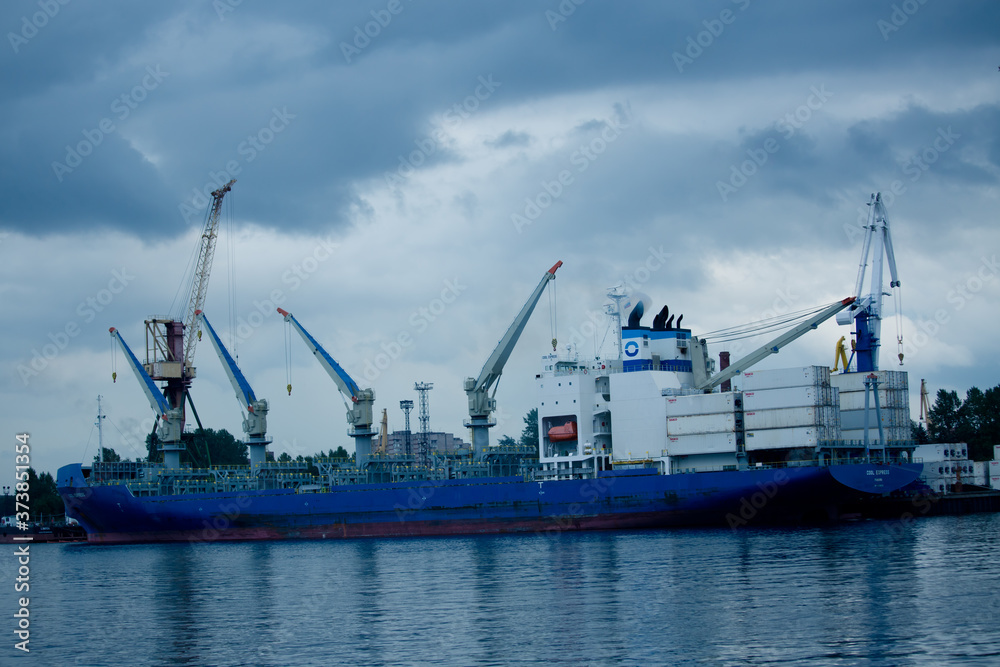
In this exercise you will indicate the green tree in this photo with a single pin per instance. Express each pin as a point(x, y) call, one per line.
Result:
point(529, 436)
point(204, 448)
point(980, 423)
point(946, 417)
point(44, 499)
point(919, 433)
point(507, 441)
point(110, 456)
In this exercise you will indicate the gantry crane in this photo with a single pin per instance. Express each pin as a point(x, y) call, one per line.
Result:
point(171, 420)
point(170, 343)
point(481, 403)
point(359, 412)
point(255, 419)
point(866, 312)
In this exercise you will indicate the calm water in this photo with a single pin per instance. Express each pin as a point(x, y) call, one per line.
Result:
point(879, 593)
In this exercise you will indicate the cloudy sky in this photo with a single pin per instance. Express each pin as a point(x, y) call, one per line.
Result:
point(408, 170)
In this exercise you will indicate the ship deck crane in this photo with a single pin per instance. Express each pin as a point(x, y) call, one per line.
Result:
point(359, 412)
point(255, 420)
point(481, 403)
point(171, 418)
point(866, 313)
point(699, 352)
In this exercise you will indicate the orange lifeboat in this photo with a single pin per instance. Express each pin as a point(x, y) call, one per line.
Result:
point(563, 433)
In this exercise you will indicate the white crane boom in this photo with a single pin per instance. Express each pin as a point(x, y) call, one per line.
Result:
point(203, 270)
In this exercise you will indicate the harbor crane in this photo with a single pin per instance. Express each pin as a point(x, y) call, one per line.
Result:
point(171, 419)
point(481, 402)
point(170, 343)
point(359, 412)
point(255, 419)
point(866, 312)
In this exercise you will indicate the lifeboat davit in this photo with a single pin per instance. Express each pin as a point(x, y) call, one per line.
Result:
point(563, 433)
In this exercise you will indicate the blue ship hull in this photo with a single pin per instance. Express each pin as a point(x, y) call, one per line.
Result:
point(614, 500)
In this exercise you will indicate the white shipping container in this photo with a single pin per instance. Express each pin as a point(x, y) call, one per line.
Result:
point(856, 381)
point(994, 468)
point(697, 424)
point(792, 397)
point(980, 474)
point(782, 438)
point(702, 404)
point(995, 482)
point(996, 452)
point(780, 378)
point(887, 398)
point(789, 417)
point(708, 443)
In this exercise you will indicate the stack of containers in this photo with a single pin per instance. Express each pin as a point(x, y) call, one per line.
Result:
point(703, 423)
point(894, 405)
point(789, 407)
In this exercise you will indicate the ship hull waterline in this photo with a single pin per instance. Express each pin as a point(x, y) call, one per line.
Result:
point(622, 499)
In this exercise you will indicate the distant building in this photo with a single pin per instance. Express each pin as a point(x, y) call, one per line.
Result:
point(443, 443)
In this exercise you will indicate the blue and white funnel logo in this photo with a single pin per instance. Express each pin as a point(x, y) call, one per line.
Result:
point(631, 348)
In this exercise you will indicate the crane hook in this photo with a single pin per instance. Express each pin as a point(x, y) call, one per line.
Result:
point(289, 389)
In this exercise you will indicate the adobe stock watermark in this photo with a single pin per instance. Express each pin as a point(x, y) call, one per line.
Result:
point(581, 158)
point(364, 35)
point(48, 9)
point(222, 520)
point(784, 301)
point(751, 506)
point(590, 493)
point(698, 43)
point(223, 7)
point(564, 10)
point(453, 117)
point(122, 107)
point(788, 125)
point(86, 312)
point(420, 320)
point(248, 149)
point(899, 17)
point(914, 167)
point(959, 297)
point(293, 277)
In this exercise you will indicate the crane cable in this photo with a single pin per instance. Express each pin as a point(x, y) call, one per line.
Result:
point(288, 356)
point(899, 321)
point(231, 273)
point(114, 361)
point(552, 313)
point(761, 326)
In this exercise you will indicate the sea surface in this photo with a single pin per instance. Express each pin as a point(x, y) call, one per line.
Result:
point(925, 592)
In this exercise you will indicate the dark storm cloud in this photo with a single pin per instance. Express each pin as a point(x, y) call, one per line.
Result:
point(353, 115)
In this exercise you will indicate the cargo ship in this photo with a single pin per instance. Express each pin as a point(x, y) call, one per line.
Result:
point(654, 437)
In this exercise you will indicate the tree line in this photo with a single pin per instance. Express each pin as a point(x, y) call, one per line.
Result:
point(974, 421)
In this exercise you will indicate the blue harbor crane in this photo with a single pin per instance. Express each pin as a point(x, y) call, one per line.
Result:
point(359, 412)
point(255, 419)
point(866, 313)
